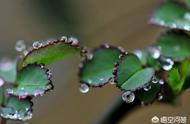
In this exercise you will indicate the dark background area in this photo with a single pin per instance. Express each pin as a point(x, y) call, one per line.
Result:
point(93, 22)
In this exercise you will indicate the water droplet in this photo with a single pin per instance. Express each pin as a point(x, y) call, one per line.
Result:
point(138, 53)
point(187, 16)
point(25, 52)
point(63, 38)
point(20, 46)
point(160, 96)
point(111, 81)
point(74, 41)
point(84, 88)
point(147, 87)
point(155, 52)
point(154, 79)
point(1, 82)
point(89, 56)
point(107, 46)
point(37, 45)
point(128, 96)
point(6, 64)
point(167, 63)
point(161, 81)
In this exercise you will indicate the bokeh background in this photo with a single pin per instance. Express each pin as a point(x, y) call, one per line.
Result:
point(93, 22)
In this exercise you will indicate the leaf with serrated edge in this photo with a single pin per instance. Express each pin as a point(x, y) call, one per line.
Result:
point(97, 71)
point(127, 66)
point(51, 52)
point(17, 109)
point(138, 80)
point(33, 80)
point(173, 15)
point(175, 44)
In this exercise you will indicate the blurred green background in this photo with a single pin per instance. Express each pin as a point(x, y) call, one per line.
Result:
point(93, 22)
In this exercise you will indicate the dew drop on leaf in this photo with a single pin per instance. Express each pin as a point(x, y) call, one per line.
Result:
point(187, 16)
point(161, 81)
point(147, 87)
point(1, 82)
point(73, 41)
point(155, 80)
point(63, 38)
point(11, 113)
point(111, 81)
point(20, 46)
point(36, 45)
point(89, 56)
point(167, 63)
point(128, 96)
point(84, 88)
point(154, 52)
point(138, 53)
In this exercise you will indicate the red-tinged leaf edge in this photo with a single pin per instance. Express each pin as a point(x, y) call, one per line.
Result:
point(84, 60)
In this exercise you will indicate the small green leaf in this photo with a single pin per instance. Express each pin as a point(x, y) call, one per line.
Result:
point(173, 15)
point(128, 65)
point(130, 75)
point(17, 109)
point(50, 52)
point(8, 70)
point(178, 78)
point(139, 79)
point(150, 95)
point(33, 80)
point(98, 70)
point(175, 44)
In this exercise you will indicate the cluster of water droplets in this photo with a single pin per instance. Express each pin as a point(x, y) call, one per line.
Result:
point(13, 114)
point(166, 63)
point(128, 96)
point(84, 88)
point(23, 92)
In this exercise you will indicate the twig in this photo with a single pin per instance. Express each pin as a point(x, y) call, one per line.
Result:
point(117, 111)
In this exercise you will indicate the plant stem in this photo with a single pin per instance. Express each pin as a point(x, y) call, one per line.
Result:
point(117, 111)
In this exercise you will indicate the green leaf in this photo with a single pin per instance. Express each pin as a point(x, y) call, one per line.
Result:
point(138, 80)
point(98, 70)
point(33, 80)
point(17, 109)
point(178, 77)
point(51, 51)
point(175, 44)
point(172, 15)
point(130, 75)
point(8, 70)
point(150, 95)
point(128, 65)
